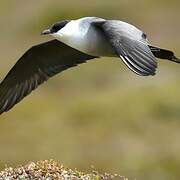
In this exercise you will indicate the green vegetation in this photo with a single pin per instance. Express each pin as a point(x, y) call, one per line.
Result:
point(99, 113)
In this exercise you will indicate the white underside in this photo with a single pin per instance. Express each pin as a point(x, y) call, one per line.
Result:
point(81, 35)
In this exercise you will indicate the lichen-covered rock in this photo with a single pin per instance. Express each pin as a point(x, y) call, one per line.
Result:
point(51, 170)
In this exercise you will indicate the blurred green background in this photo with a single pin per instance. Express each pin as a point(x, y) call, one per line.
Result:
point(98, 113)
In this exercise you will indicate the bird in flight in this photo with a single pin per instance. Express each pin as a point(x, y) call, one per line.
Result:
point(75, 42)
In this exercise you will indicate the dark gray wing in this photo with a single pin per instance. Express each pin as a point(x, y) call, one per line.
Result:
point(37, 65)
point(131, 45)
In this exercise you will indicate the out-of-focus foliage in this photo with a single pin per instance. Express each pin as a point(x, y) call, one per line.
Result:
point(99, 113)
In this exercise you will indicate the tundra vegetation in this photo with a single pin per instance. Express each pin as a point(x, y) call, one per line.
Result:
point(51, 170)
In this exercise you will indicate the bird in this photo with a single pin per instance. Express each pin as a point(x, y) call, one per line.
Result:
point(75, 42)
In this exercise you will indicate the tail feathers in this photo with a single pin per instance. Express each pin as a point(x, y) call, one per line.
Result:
point(164, 54)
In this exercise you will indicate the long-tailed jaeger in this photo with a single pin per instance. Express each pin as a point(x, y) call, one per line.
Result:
point(77, 41)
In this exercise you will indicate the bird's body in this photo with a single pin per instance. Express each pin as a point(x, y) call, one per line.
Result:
point(76, 42)
point(81, 35)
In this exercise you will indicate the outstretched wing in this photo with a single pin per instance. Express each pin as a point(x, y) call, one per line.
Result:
point(37, 65)
point(130, 44)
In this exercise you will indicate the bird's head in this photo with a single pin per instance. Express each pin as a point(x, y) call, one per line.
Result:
point(55, 27)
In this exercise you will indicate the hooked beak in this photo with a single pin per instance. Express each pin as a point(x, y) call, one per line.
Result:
point(46, 31)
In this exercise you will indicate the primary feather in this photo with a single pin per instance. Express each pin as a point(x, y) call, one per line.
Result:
point(36, 66)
